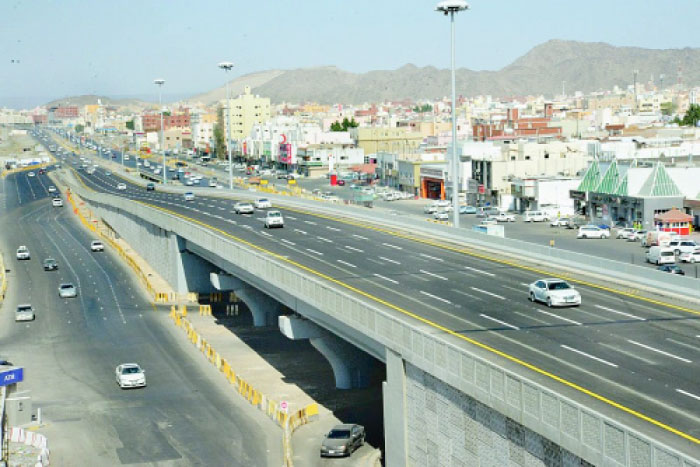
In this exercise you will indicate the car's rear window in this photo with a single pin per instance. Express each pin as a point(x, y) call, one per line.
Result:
point(339, 434)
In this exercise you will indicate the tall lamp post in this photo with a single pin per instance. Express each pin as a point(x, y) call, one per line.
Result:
point(160, 83)
point(450, 7)
point(227, 66)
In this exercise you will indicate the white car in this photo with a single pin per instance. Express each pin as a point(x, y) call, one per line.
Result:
point(690, 256)
point(262, 203)
point(243, 208)
point(97, 245)
point(504, 217)
point(121, 186)
point(189, 196)
point(23, 253)
point(57, 202)
point(189, 182)
point(430, 208)
point(67, 291)
point(625, 233)
point(52, 189)
point(31, 174)
point(592, 231)
point(559, 222)
point(274, 219)
point(441, 215)
point(24, 313)
point(554, 292)
point(130, 375)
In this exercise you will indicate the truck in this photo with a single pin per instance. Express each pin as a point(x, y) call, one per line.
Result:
point(657, 238)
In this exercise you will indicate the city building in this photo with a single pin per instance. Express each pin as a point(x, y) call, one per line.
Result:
point(245, 111)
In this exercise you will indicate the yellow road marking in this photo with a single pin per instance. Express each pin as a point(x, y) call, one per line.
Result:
point(437, 326)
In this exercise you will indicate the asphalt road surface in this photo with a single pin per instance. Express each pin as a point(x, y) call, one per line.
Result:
point(187, 415)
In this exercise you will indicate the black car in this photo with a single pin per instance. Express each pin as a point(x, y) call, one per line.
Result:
point(150, 187)
point(50, 264)
point(672, 268)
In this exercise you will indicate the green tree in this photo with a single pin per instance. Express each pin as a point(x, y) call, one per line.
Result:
point(336, 126)
point(423, 108)
point(692, 116)
point(219, 136)
point(79, 128)
point(130, 125)
point(351, 124)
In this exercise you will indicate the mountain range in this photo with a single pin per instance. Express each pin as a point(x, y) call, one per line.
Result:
point(544, 70)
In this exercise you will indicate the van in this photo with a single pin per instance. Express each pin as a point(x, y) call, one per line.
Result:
point(661, 255)
point(682, 245)
point(535, 216)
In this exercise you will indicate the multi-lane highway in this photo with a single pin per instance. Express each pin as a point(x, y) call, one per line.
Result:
point(640, 353)
point(187, 414)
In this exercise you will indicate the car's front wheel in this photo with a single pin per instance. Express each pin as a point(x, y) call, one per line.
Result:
point(531, 297)
point(549, 302)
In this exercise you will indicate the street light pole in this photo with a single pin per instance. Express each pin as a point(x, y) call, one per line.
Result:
point(227, 66)
point(160, 83)
point(451, 7)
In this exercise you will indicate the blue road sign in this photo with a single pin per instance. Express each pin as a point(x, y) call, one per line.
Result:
point(12, 376)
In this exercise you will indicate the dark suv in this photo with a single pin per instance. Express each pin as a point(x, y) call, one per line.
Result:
point(151, 187)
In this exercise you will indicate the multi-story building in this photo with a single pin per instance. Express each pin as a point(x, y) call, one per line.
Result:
point(202, 125)
point(245, 111)
point(375, 139)
point(180, 119)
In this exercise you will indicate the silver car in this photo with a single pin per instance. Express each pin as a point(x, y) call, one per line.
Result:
point(24, 313)
point(67, 291)
point(243, 208)
point(554, 292)
point(343, 440)
point(130, 375)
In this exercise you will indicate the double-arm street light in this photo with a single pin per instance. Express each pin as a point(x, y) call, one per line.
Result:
point(160, 83)
point(227, 66)
point(450, 7)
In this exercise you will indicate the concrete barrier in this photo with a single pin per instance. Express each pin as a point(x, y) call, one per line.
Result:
point(3, 280)
point(288, 422)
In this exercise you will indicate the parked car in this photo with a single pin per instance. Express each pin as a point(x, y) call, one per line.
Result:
point(690, 256)
point(554, 292)
point(24, 312)
point(430, 208)
point(243, 208)
point(467, 210)
point(638, 235)
point(274, 219)
point(341, 182)
point(671, 268)
point(23, 253)
point(262, 203)
point(343, 440)
point(67, 291)
point(50, 264)
point(592, 231)
point(130, 375)
point(660, 255)
point(504, 217)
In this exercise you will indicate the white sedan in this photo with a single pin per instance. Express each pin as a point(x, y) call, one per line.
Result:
point(121, 186)
point(441, 215)
point(243, 208)
point(554, 292)
point(262, 203)
point(67, 291)
point(130, 375)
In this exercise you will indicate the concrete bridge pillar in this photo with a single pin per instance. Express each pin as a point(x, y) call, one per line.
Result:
point(192, 272)
point(351, 366)
point(394, 398)
point(264, 308)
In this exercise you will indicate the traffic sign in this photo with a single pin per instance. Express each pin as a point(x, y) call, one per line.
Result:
point(11, 376)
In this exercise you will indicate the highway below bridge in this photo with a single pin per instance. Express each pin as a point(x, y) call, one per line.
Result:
point(630, 356)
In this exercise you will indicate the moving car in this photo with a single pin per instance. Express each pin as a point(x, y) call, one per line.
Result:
point(343, 440)
point(23, 253)
point(130, 375)
point(274, 219)
point(671, 268)
point(638, 235)
point(625, 233)
point(31, 174)
point(559, 222)
point(50, 264)
point(554, 292)
point(52, 189)
point(661, 255)
point(57, 202)
point(690, 256)
point(441, 215)
point(504, 217)
point(121, 186)
point(24, 313)
point(189, 196)
point(67, 291)
point(262, 203)
point(430, 208)
point(682, 245)
point(592, 231)
point(243, 208)
point(535, 216)
point(150, 186)
point(467, 210)
point(96, 245)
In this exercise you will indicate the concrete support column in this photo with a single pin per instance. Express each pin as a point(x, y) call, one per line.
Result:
point(394, 397)
point(264, 308)
point(192, 272)
point(351, 366)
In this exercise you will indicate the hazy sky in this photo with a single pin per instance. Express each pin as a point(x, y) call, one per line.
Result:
point(116, 48)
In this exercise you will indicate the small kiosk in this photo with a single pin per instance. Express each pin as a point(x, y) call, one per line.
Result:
point(674, 220)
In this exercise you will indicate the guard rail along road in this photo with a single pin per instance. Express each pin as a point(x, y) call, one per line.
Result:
point(592, 427)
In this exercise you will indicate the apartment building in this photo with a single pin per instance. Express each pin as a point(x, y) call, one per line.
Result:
point(245, 111)
point(387, 139)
